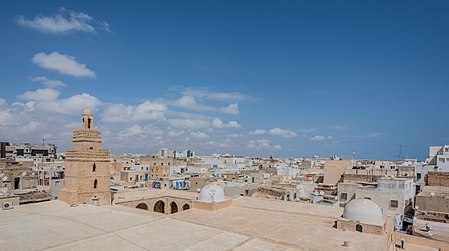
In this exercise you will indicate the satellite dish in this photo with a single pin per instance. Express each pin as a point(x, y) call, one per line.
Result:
point(2, 174)
point(24, 173)
point(33, 173)
point(4, 190)
point(430, 233)
point(5, 178)
point(432, 194)
point(321, 193)
point(416, 207)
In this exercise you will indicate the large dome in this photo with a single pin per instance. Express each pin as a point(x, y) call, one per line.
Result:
point(363, 210)
point(212, 193)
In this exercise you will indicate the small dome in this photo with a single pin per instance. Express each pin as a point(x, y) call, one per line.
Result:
point(212, 193)
point(87, 111)
point(363, 210)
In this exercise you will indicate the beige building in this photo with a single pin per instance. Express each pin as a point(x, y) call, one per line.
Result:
point(159, 167)
point(86, 167)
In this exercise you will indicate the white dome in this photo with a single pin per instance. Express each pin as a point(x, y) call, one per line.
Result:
point(363, 210)
point(212, 193)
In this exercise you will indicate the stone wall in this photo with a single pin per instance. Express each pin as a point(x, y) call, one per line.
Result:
point(211, 206)
point(437, 179)
point(365, 227)
point(435, 203)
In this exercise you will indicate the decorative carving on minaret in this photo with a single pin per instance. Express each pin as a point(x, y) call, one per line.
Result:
point(86, 167)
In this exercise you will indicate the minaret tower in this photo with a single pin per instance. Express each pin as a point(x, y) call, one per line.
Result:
point(86, 167)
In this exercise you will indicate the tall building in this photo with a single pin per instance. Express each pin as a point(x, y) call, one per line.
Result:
point(86, 167)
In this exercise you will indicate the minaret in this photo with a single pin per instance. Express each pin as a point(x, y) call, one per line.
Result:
point(86, 167)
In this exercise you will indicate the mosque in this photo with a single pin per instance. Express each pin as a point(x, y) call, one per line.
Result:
point(86, 217)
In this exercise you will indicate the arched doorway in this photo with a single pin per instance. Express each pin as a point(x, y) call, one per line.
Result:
point(186, 207)
point(142, 206)
point(174, 207)
point(359, 228)
point(159, 207)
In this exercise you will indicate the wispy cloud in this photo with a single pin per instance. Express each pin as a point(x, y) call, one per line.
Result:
point(317, 138)
point(320, 138)
point(275, 132)
point(64, 64)
point(262, 144)
point(48, 82)
point(120, 113)
point(230, 109)
point(370, 135)
point(337, 127)
point(48, 100)
point(217, 123)
point(64, 21)
point(40, 95)
point(190, 103)
point(217, 96)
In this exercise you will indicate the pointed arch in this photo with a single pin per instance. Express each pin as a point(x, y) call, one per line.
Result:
point(173, 207)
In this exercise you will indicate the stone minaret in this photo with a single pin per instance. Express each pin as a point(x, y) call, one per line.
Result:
point(86, 167)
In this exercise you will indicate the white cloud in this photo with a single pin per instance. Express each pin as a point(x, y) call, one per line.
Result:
point(64, 64)
point(48, 82)
point(189, 123)
point(189, 102)
point(282, 133)
point(217, 123)
point(278, 147)
point(40, 95)
point(261, 144)
point(64, 21)
point(258, 132)
point(199, 135)
point(275, 132)
point(230, 109)
point(134, 130)
point(317, 138)
point(174, 134)
point(148, 110)
point(306, 130)
point(72, 106)
point(370, 135)
point(217, 96)
point(186, 102)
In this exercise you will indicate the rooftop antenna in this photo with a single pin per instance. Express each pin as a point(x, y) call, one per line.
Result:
point(400, 151)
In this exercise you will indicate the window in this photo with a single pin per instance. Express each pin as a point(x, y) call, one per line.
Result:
point(343, 196)
point(393, 204)
point(94, 167)
point(359, 228)
point(368, 198)
point(418, 176)
point(95, 183)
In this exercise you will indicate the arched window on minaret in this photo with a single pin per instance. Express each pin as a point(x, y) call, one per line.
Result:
point(88, 122)
point(94, 167)
point(95, 183)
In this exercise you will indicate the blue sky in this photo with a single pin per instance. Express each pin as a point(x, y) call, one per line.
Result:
point(259, 78)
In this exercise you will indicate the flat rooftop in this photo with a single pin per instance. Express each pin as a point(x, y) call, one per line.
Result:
point(249, 224)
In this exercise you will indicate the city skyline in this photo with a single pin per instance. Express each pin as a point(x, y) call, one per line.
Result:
point(285, 79)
